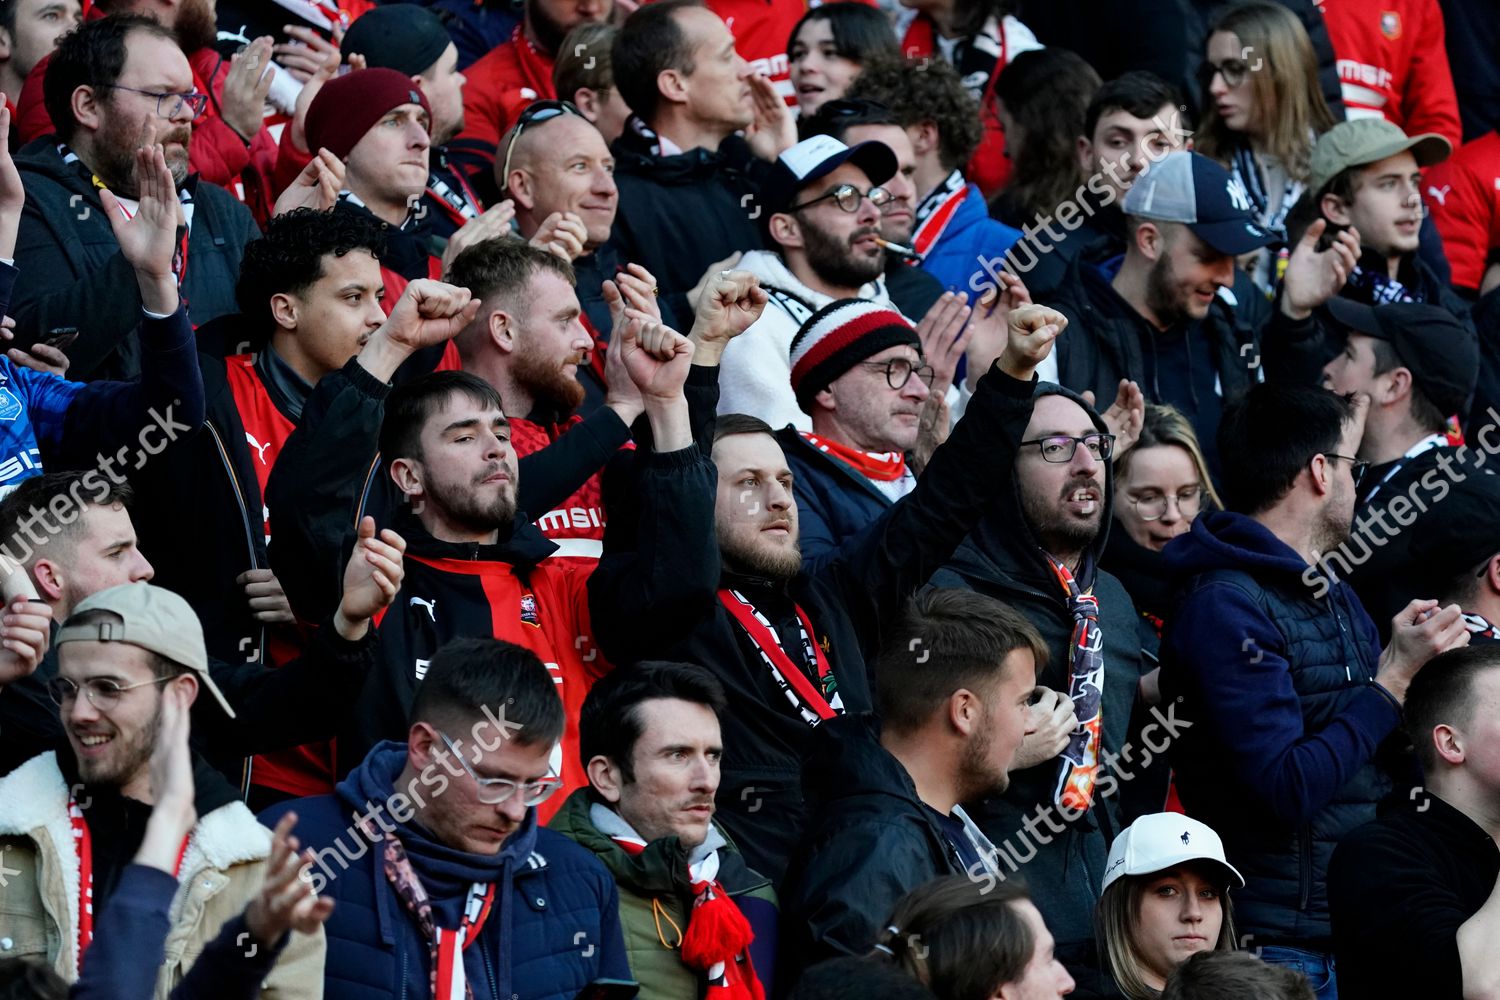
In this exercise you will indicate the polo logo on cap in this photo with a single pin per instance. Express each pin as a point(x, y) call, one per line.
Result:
point(1237, 194)
point(1186, 836)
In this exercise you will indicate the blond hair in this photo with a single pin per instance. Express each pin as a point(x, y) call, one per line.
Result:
point(1116, 916)
point(1163, 426)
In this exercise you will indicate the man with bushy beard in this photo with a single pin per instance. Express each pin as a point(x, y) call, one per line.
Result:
point(114, 85)
point(795, 649)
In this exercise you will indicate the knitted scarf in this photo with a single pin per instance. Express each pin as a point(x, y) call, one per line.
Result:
point(882, 466)
point(1079, 769)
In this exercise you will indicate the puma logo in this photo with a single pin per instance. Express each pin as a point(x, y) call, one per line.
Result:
point(430, 605)
point(1440, 194)
point(260, 449)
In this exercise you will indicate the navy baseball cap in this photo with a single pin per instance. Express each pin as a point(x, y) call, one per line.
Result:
point(1442, 353)
point(1192, 189)
point(817, 157)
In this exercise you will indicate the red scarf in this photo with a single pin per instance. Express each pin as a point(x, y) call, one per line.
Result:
point(813, 704)
point(717, 939)
point(883, 466)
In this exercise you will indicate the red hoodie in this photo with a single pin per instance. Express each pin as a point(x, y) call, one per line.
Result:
point(1463, 194)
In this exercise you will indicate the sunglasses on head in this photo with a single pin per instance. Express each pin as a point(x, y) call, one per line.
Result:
point(536, 111)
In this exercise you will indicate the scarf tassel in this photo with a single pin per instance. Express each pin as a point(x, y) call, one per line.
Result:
point(716, 932)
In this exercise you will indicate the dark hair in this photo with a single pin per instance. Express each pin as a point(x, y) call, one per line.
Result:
point(584, 61)
point(476, 676)
point(1443, 693)
point(288, 259)
point(928, 90)
point(943, 640)
point(836, 117)
point(1268, 436)
point(35, 497)
point(1235, 975)
point(502, 266)
point(649, 42)
point(410, 406)
point(849, 978)
point(1424, 412)
point(1046, 92)
point(91, 55)
point(859, 30)
point(960, 938)
point(609, 725)
point(739, 423)
point(1140, 93)
point(30, 978)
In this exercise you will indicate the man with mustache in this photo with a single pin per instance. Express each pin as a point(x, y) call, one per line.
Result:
point(1038, 550)
point(650, 741)
point(103, 88)
point(823, 206)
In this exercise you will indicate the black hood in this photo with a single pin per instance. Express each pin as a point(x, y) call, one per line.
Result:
point(521, 544)
point(1002, 550)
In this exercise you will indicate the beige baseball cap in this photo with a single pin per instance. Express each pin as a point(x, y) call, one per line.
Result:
point(1369, 140)
point(152, 618)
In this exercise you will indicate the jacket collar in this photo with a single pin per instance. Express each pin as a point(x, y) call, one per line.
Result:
point(522, 545)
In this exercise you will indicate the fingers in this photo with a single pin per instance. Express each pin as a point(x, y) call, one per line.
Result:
point(366, 529)
point(1088, 397)
point(254, 576)
point(1313, 233)
point(40, 357)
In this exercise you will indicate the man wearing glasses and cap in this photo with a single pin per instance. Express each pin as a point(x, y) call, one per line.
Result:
point(445, 883)
point(72, 820)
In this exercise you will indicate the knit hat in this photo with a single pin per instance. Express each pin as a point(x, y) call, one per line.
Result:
point(839, 336)
point(349, 106)
point(399, 36)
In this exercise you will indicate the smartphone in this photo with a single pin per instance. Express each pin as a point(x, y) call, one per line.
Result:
point(609, 989)
point(61, 337)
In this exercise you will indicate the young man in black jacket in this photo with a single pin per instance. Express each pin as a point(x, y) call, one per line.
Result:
point(1423, 881)
point(101, 92)
point(954, 683)
point(791, 648)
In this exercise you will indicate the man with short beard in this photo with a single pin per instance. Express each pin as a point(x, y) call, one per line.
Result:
point(793, 649)
point(824, 219)
point(100, 88)
point(1038, 550)
point(1178, 319)
point(950, 725)
point(1286, 702)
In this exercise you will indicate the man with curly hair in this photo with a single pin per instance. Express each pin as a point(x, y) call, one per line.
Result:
point(954, 229)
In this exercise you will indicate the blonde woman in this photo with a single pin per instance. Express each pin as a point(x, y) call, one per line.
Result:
point(1263, 112)
point(1165, 898)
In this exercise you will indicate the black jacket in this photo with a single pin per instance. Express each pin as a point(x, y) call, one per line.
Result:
point(834, 502)
point(1002, 559)
point(76, 276)
point(679, 214)
point(1196, 367)
point(1401, 886)
point(870, 841)
point(1044, 264)
point(846, 602)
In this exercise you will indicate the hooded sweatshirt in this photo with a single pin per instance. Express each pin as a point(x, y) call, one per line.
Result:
point(550, 895)
point(1272, 666)
point(1002, 558)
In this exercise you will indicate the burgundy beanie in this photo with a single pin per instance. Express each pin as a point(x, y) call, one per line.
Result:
point(348, 106)
point(839, 336)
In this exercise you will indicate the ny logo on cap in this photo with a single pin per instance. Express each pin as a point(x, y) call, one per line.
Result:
point(1237, 194)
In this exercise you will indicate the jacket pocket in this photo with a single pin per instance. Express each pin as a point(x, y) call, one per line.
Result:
point(1304, 865)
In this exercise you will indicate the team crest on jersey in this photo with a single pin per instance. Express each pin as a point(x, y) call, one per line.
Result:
point(10, 407)
point(1390, 24)
point(528, 611)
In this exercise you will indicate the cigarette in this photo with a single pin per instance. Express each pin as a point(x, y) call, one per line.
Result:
point(897, 249)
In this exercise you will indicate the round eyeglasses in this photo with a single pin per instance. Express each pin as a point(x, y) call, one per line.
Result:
point(848, 198)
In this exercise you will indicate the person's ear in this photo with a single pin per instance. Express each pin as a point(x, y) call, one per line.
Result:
point(87, 108)
point(924, 138)
point(502, 331)
point(672, 85)
point(1335, 210)
point(5, 51)
point(1150, 241)
point(518, 188)
point(49, 580)
point(786, 231)
point(421, 745)
point(188, 682)
point(1449, 743)
point(1398, 386)
point(406, 473)
point(825, 399)
point(964, 711)
point(1321, 470)
point(606, 778)
point(1492, 574)
point(1085, 153)
point(284, 310)
point(586, 99)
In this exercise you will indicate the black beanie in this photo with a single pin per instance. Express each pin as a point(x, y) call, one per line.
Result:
point(398, 36)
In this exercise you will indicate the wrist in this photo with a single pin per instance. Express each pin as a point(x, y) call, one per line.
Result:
point(349, 629)
point(708, 353)
point(381, 356)
point(158, 293)
point(1020, 369)
point(1291, 311)
point(627, 411)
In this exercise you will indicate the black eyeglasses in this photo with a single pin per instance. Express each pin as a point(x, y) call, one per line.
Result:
point(102, 692)
point(1059, 448)
point(536, 111)
point(197, 103)
point(1234, 72)
point(898, 371)
point(1356, 467)
point(848, 198)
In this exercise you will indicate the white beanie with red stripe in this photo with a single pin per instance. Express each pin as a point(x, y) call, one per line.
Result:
point(839, 336)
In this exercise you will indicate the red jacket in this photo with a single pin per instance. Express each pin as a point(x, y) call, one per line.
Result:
point(989, 167)
point(1463, 194)
point(497, 90)
point(1392, 62)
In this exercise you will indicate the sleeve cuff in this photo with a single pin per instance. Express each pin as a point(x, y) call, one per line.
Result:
point(672, 461)
point(364, 381)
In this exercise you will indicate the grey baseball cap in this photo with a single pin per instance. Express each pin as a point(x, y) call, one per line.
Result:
point(1191, 189)
point(149, 617)
point(1369, 140)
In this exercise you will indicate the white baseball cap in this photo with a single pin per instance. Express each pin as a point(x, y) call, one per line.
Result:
point(1165, 840)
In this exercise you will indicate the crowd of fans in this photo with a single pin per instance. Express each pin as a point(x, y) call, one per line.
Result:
point(735, 500)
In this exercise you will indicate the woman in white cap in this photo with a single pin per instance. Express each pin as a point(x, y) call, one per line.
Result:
point(1165, 898)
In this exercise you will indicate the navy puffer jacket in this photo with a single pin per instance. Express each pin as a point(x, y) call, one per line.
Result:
point(554, 927)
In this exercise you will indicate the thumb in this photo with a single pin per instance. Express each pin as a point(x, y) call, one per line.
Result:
point(1088, 396)
point(1314, 232)
point(366, 527)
